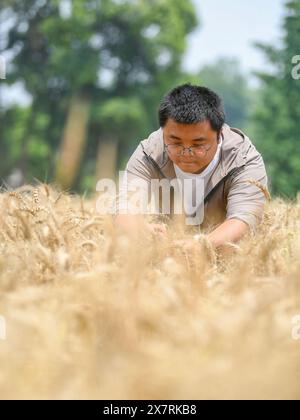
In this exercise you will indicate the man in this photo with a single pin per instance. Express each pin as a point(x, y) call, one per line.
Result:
point(194, 142)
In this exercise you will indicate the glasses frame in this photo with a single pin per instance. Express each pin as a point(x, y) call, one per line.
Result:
point(190, 149)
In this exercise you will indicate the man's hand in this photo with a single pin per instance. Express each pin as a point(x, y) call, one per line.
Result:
point(198, 246)
point(232, 230)
point(157, 229)
point(188, 245)
point(135, 224)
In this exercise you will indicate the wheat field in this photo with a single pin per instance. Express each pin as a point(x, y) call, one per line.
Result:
point(92, 314)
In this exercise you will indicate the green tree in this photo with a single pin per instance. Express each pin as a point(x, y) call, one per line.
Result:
point(227, 79)
point(137, 45)
point(276, 119)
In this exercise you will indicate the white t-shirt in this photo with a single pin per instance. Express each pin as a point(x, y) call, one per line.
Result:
point(190, 198)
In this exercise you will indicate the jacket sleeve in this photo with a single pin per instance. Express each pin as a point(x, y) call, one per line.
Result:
point(245, 199)
point(138, 166)
point(138, 171)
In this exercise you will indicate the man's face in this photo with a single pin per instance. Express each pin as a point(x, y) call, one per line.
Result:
point(191, 135)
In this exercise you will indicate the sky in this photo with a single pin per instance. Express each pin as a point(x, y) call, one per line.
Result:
point(228, 28)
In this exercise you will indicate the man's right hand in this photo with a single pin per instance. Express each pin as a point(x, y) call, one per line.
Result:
point(134, 224)
point(159, 229)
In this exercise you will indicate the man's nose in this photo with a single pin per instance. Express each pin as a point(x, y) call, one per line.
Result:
point(188, 149)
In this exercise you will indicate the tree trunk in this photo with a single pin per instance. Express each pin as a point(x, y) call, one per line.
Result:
point(22, 164)
point(107, 157)
point(73, 141)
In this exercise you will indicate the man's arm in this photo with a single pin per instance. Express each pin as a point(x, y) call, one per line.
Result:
point(138, 168)
point(245, 204)
point(246, 197)
point(232, 230)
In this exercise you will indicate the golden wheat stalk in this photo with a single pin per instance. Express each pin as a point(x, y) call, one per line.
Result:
point(261, 187)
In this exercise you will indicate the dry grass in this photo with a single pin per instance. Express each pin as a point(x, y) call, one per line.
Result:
point(91, 314)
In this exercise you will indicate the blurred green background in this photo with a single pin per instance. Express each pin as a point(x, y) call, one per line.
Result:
point(95, 71)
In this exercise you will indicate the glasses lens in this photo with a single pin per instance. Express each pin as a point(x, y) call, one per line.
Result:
point(199, 151)
point(174, 149)
point(178, 150)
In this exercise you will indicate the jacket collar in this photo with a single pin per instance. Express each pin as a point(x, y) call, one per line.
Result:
point(231, 157)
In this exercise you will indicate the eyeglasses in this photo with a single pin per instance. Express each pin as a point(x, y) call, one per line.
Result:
point(178, 150)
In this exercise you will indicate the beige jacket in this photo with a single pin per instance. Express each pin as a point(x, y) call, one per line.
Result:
point(228, 194)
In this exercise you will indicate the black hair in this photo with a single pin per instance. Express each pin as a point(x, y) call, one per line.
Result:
point(189, 104)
